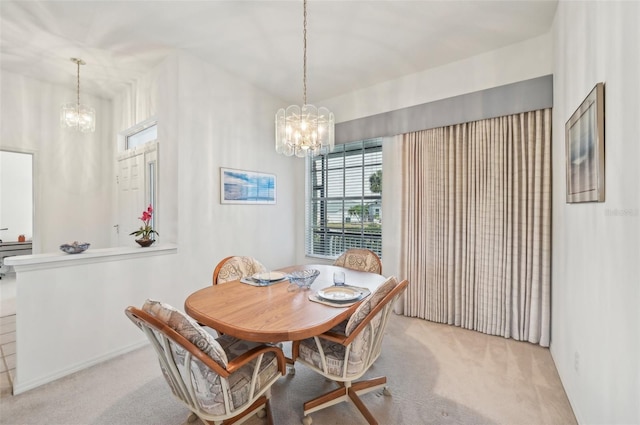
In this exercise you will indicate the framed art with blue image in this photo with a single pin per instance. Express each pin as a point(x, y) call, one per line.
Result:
point(246, 187)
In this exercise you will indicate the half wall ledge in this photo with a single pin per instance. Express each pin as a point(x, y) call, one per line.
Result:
point(70, 307)
point(60, 259)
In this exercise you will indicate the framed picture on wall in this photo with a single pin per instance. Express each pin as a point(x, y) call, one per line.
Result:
point(584, 138)
point(246, 187)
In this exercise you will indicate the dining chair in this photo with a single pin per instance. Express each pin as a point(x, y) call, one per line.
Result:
point(346, 352)
point(360, 259)
point(218, 379)
point(236, 267)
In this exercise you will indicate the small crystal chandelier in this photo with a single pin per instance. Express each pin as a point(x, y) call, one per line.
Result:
point(307, 130)
point(77, 116)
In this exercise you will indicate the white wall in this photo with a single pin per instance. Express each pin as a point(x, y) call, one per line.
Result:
point(70, 309)
point(225, 122)
point(209, 119)
point(517, 62)
point(596, 246)
point(72, 170)
point(16, 195)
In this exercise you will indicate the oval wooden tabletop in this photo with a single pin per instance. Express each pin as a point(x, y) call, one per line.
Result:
point(272, 313)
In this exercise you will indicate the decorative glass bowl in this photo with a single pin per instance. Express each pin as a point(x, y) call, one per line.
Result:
point(74, 248)
point(304, 278)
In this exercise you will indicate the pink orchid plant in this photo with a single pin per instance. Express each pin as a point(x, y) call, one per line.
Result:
point(145, 230)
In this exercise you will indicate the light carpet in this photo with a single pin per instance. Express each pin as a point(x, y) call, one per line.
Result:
point(437, 374)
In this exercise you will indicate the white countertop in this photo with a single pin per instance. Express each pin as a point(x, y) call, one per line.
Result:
point(61, 259)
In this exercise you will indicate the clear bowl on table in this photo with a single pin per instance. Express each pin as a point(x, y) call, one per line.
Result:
point(302, 279)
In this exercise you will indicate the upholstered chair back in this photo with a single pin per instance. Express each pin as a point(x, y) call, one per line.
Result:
point(360, 259)
point(236, 267)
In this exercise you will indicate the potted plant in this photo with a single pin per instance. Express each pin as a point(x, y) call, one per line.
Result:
point(145, 232)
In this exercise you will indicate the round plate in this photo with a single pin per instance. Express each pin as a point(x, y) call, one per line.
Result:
point(339, 293)
point(270, 276)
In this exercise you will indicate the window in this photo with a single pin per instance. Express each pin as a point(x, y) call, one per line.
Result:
point(142, 136)
point(344, 199)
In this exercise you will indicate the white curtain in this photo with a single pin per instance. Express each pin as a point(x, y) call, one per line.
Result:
point(476, 225)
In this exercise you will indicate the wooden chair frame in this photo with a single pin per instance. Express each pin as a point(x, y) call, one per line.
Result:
point(348, 389)
point(186, 393)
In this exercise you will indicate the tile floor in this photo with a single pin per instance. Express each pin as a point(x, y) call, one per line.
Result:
point(7, 354)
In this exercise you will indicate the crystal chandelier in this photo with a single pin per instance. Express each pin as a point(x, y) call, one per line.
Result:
point(76, 116)
point(307, 130)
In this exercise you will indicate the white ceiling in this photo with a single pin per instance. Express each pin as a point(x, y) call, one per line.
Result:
point(351, 44)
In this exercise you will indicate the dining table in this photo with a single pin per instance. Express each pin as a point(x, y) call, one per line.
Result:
point(275, 313)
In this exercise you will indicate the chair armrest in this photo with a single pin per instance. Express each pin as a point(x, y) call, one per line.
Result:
point(245, 358)
point(334, 337)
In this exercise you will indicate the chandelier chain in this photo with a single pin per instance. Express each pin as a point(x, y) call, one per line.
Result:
point(304, 59)
point(304, 130)
point(78, 86)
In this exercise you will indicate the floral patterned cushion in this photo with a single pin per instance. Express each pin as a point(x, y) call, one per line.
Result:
point(335, 354)
point(240, 381)
point(238, 267)
point(208, 385)
point(369, 304)
point(359, 259)
point(188, 328)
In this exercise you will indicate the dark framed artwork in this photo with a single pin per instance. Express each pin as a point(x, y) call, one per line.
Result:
point(246, 187)
point(584, 138)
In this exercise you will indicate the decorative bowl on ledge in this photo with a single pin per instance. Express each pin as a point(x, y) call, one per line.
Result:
point(75, 247)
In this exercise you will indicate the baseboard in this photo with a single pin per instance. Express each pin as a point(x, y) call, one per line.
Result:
point(567, 388)
point(20, 387)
